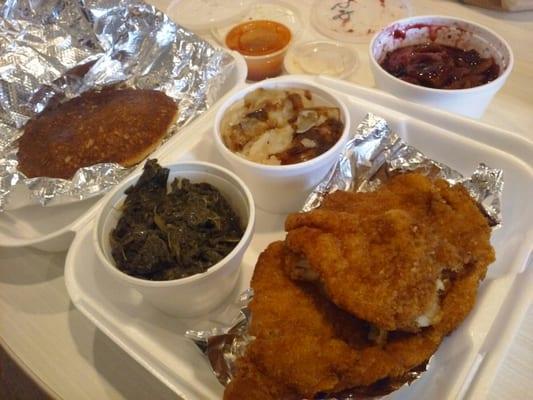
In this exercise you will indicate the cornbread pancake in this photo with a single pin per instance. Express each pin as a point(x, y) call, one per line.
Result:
point(111, 125)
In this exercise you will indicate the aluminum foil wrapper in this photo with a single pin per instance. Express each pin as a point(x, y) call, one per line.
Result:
point(375, 153)
point(223, 345)
point(53, 50)
point(370, 157)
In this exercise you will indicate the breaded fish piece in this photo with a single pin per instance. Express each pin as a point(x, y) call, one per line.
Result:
point(387, 256)
point(251, 384)
point(305, 345)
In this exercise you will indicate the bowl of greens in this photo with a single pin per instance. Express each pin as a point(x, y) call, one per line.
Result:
point(177, 234)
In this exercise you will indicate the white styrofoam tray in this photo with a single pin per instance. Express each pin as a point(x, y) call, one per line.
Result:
point(465, 363)
point(52, 228)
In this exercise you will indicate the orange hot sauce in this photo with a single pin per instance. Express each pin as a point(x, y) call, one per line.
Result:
point(263, 44)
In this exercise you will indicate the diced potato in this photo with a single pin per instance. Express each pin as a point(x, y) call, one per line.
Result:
point(271, 142)
point(263, 124)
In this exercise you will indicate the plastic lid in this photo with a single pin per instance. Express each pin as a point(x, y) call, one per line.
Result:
point(356, 21)
point(202, 15)
point(321, 58)
point(277, 11)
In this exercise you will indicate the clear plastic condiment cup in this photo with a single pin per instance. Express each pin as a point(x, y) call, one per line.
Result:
point(263, 44)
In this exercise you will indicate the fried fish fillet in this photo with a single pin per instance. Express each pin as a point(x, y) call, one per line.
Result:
point(387, 256)
point(111, 125)
point(305, 345)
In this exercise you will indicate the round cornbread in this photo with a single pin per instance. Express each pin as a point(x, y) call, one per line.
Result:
point(121, 126)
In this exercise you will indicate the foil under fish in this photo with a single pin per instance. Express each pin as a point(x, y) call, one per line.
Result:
point(376, 153)
point(53, 50)
point(373, 154)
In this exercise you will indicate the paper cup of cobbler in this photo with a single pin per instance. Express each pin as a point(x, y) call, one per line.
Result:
point(281, 136)
point(442, 62)
point(177, 235)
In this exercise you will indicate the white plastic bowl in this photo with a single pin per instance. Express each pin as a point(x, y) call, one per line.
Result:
point(451, 31)
point(283, 188)
point(196, 294)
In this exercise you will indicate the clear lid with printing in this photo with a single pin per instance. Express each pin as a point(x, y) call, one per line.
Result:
point(356, 21)
point(203, 15)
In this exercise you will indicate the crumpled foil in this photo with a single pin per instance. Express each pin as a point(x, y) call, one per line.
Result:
point(373, 154)
point(376, 153)
point(223, 345)
point(52, 50)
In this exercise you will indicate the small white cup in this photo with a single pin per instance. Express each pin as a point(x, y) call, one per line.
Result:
point(196, 294)
point(282, 189)
point(450, 31)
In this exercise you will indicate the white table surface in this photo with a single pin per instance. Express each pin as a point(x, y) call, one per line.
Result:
point(71, 359)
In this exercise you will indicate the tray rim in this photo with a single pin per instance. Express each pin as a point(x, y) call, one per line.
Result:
point(86, 310)
point(477, 380)
point(474, 375)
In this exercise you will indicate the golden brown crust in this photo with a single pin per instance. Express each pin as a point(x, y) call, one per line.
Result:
point(250, 384)
point(121, 126)
point(305, 345)
point(379, 255)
